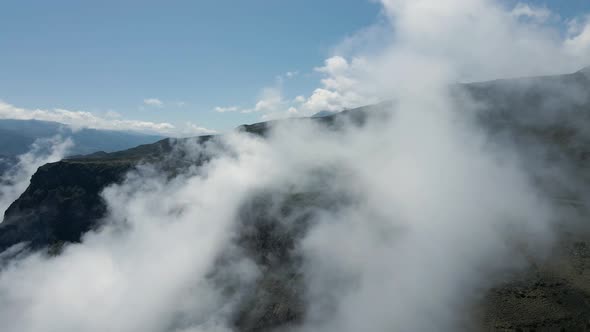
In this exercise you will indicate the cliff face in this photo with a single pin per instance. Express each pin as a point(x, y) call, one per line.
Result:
point(63, 202)
point(63, 199)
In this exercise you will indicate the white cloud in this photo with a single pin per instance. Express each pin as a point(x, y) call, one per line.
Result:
point(451, 33)
point(340, 90)
point(155, 102)
point(539, 14)
point(80, 119)
point(270, 101)
point(335, 65)
point(288, 75)
point(446, 37)
point(578, 41)
point(428, 215)
point(331, 100)
point(221, 109)
point(299, 99)
point(192, 129)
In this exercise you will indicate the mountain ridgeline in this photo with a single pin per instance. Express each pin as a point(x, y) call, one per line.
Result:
point(64, 201)
point(16, 136)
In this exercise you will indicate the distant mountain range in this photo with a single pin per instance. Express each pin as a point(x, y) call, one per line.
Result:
point(16, 136)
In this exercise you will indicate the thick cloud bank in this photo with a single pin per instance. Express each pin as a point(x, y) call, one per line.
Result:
point(419, 211)
point(395, 224)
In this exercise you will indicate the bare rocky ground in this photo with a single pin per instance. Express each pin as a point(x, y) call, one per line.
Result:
point(551, 294)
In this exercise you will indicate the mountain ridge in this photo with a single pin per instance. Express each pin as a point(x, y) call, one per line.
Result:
point(63, 202)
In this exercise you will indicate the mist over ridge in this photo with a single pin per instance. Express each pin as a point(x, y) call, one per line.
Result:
point(445, 207)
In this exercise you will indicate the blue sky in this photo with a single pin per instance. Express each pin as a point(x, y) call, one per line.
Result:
point(107, 55)
point(111, 55)
point(566, 8)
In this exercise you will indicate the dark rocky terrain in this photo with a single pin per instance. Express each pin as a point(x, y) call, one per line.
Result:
point(63, 202)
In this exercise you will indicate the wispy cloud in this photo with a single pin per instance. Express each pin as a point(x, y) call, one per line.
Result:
point(192, 129)
point(525, 10)
point(270, 103)
point(578, 42)
point(14, 181)
point(339, 90)
point(287, 76)
point(221, 109)
point(80, 119)
point(154, 102)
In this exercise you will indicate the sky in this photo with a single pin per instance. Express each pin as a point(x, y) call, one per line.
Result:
point(182, 67)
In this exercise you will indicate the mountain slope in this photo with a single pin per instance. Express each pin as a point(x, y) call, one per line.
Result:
point(63, 202)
